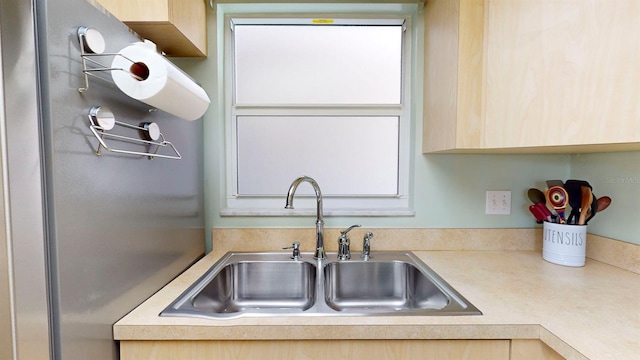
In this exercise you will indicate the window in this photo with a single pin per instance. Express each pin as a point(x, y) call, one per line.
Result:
point(323, 97)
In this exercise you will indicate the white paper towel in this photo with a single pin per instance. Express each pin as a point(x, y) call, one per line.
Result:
point(166, 88)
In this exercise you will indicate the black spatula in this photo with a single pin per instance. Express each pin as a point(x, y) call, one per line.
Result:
point(573, 188)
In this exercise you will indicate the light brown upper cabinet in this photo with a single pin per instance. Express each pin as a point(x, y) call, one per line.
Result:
point(532, 76)
point(178, 27)
point(453, 75)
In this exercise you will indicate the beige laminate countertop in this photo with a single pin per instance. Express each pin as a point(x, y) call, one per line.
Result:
point(588, 312)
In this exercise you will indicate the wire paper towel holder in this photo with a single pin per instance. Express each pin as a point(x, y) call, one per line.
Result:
point(101, 120)
point(144, 74)
point(92, 45)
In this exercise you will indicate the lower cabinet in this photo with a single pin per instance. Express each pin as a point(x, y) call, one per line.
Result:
point(517, 349)
point(525, 349)
point(318, 349)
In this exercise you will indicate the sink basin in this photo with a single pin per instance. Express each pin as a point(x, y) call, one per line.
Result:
point(272, 284)
point(391, 283)
point(380, 285)
point(266, 283)
point(251, 285)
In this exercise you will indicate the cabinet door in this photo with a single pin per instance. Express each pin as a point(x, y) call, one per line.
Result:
point(532, 349)
point(562, 73)
point(318, 349)
point(178, 27)
point(453, 75)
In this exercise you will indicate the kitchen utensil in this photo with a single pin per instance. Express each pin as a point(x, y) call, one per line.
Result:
point(542, 209)
point(547, 213)
point(587, 199)
point(594, 207)
point(537, 213)
point(558, 199)
point(551, 183)
point(602, 204)
point(536, 196)
point(539, 208)
point(574, 189)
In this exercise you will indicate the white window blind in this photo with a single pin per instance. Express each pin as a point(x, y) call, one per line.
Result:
point(318, 97)
point(318, 64)
point(346, 155)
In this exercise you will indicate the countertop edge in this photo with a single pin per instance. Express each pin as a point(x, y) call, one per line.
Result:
point(329, 332)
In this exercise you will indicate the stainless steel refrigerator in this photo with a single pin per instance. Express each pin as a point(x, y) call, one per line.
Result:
point(84, 238)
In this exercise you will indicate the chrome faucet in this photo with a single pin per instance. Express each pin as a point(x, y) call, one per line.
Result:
point(344, 252)
point(366, 246)
point(319, 254)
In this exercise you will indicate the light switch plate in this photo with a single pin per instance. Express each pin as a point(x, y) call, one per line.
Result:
point(498, 202)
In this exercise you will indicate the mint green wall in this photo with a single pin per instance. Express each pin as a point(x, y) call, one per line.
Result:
point(616, 175)
point(448, 189)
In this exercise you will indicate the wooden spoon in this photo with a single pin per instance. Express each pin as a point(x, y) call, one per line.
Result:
point(587, 199)
point(536, 196)
point(602, 204)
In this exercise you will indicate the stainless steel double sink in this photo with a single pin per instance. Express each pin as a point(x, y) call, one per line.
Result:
point(272, 284)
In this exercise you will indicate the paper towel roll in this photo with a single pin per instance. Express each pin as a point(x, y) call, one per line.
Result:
point(161, 84)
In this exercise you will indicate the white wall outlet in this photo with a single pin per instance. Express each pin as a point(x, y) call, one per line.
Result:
point(498, 202)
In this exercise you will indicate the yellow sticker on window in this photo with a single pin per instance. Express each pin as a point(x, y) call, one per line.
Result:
point(322, 21)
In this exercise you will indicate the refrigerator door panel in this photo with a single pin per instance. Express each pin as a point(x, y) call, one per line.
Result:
point(119, 227)
point(23, 266)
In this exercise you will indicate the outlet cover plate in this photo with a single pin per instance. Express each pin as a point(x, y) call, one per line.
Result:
point(498, 202)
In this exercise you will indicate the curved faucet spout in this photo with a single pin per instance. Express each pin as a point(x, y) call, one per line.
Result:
point(319, 254)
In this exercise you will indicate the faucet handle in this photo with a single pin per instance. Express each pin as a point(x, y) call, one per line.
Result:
point(345, 231)
point(344, 253)
point(296, 250)
point(366, 246)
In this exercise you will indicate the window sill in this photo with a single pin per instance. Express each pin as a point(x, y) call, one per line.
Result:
point(312, 212)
